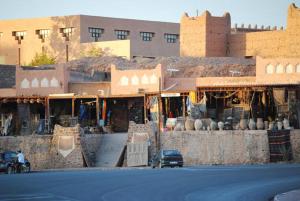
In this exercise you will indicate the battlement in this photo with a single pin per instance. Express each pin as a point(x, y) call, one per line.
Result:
point(293, 18)
point(243, 28)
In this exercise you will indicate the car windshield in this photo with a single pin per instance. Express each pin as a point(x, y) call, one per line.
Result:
point(171, 152)
point(10, 155)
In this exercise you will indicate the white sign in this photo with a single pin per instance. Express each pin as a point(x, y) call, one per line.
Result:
point(170, 95)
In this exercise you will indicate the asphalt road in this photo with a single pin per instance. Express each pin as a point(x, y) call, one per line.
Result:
point(214, 183)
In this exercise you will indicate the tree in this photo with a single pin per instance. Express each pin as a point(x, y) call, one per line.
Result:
point(42, 59)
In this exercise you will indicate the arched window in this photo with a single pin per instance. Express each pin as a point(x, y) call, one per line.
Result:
point(153, 79)
point(44, 82)
point(289, 69)
point(25, 84)
point(135, 80)
point(35, 83)
point(124, 81)
point(270, 69)
point(145, 79)
point(298, 68)
point(279, 69)
point(54, 82)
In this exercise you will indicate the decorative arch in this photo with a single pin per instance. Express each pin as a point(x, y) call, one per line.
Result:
point(269, 69)
point(153, 79)
point(289, 69)
point(124, 81)
point(135, 80)
point(54, 82)
point(145, 79)
point(298, 68)
point(45, 82)
point(25, 84)
point(279, 69)
point(35, 83)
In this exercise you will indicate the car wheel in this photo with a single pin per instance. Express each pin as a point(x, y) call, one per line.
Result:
point(26, 169)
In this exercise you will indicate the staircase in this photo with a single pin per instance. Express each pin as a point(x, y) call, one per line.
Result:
point(110, 150)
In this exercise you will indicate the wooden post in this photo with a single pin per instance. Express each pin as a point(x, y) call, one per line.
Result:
point(97, 110)
point(145, 109)
point(19, 56)
point(183, 108)
point(67, 52)
point(73, 106)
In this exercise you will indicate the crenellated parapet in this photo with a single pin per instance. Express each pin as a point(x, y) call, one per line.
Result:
point(293, 18)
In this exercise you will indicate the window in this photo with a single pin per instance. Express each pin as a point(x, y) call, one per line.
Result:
point(121, 34)
point(96, 33)
point(298, 68)
point(147, 36)
point(67, 32)
point(279, 69)
point(171, 38)
point(43, 33)
point(19, 35)
point(289, 69)
point(269, 69)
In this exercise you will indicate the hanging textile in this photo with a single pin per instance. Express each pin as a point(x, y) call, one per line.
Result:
point(103, 109)
point(202, 103)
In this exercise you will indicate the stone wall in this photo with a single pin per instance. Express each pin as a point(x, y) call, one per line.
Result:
point(225, 147)
point(43, 151)
point(150, 128)
point(90, 144)
point(65, 150)
point(295, 142)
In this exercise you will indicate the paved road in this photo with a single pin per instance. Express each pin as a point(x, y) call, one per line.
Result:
point(214, 183)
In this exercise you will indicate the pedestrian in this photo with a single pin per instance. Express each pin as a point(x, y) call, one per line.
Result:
point(21, 160)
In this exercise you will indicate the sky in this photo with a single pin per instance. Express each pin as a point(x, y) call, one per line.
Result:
point(260, 12)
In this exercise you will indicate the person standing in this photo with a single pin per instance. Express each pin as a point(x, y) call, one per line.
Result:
point(21, 160)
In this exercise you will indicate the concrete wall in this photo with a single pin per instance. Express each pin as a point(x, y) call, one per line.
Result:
point(224, 147)
point(55, 43)
point(119, 48)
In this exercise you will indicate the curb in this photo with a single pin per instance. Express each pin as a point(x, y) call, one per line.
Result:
point(288, 196)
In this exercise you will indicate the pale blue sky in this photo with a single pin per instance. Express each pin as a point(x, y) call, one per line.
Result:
point(261, 12)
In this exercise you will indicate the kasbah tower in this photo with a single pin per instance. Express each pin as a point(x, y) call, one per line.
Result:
point(210, 36)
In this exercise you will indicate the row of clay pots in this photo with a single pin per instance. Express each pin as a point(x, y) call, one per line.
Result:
point(263, 125)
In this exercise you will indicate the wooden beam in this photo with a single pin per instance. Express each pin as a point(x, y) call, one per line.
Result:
point(73, 107)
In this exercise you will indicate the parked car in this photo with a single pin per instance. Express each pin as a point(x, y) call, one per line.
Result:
point(9, 163)
point(171, 158)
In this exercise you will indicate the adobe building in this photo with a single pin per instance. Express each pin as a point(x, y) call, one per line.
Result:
point(68, 37)
point(210, 36)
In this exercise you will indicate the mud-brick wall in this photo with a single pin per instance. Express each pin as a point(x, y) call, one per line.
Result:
point(219, 147)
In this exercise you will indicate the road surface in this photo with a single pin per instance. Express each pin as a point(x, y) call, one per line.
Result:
point(214, 183)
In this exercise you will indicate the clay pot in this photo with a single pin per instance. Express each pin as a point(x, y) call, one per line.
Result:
point(220, 125)
point(266, 123)
point(271, 125)
point(213, 125)
point(190, 124)
point(179, 127)
point(243, 124)
point(279, 125)
point(286, 124)
point(260, 124)
point(251, 124)
point(198, 124)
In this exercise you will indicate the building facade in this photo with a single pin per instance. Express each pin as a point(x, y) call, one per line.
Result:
point(209, 36)
point(70, 37)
